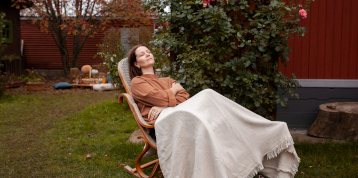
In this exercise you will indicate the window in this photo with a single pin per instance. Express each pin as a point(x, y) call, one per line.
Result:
point(7, 31)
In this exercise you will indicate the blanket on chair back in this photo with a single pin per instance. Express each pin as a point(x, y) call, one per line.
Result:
point(210, 136)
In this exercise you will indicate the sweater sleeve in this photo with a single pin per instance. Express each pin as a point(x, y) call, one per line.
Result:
point(181, 95)
point(146, 94)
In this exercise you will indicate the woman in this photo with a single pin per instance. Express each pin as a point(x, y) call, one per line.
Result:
point(207, 135)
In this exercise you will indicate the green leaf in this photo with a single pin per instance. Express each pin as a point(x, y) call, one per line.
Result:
point(283, 103)
point(257, 14)
point(262, 49)
point(273, 3)
point(238, 34)
point(189, 2)
point(277, 48)
point(247, 63)
point(189, 16)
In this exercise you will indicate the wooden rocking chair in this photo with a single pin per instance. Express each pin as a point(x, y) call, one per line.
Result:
point(123, 71)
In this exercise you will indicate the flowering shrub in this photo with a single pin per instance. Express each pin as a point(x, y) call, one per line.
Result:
point(233, 47)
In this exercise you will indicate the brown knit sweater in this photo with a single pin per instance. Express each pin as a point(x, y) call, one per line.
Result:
point(149, 90)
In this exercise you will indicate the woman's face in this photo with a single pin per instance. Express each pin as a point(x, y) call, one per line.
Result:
point(144, 57)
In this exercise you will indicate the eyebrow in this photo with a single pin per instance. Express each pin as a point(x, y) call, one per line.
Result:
point(144, 51)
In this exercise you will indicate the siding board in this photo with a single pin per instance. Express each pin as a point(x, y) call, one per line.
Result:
point(353, 47)
point(290, 64)
point(345, 38)
point(313, 42)
point(337, 38)
point(329, 40)
point(296, 53)
point(305, 49)
point(321, 39)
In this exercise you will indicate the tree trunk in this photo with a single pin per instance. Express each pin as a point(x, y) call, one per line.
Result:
point(336, 121)
point(75, 56)
point(76, 51)
point(65, 65)
point(61, 42)
point(65, 60)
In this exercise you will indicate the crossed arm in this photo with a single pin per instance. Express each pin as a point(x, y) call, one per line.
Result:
point(156, 99)
point(156, 110)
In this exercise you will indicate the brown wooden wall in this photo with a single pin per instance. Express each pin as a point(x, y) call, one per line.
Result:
point(42, 52)
point(330, 49)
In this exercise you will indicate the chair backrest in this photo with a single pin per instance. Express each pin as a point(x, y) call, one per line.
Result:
point(123, 68)
point(123, 71)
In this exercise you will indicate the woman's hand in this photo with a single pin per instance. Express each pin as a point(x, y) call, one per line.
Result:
point(176, 87)
point(154, 112)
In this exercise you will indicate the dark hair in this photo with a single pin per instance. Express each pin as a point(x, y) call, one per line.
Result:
point(133, 70)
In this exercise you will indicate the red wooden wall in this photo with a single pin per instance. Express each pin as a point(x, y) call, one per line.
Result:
point(42, 52)
point(330, 49)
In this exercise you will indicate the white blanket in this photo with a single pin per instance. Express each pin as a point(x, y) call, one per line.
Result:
point(210, 136)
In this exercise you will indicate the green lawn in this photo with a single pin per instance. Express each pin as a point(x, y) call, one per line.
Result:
point(51, 136)
point(44, 135)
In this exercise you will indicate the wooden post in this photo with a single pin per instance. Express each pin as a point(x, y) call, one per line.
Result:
point(73, 74)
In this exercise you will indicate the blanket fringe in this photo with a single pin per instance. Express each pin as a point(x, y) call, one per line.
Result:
point(286, 145)
point(255, 171)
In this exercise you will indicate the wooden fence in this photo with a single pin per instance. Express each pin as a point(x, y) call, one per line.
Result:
point(16, 66)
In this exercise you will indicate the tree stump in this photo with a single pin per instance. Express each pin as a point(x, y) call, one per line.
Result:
point(336, 121)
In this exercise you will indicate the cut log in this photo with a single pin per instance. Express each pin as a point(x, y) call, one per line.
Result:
point(336, 121)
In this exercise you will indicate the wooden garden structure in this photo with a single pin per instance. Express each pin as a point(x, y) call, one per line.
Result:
point(12, 34)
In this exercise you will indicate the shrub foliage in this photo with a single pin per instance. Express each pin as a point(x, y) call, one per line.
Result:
point(233, 47)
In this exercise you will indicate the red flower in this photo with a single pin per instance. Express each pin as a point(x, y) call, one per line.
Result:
point(303, 13)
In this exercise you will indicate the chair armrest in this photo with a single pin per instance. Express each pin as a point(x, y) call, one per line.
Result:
point(135, 109)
